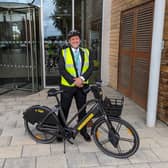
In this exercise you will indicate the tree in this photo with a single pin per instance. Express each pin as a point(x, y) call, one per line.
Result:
point(62, 15)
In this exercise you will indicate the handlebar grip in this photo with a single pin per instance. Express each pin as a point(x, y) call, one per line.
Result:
point(86, 89)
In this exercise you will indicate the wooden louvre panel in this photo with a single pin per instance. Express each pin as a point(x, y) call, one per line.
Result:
point(144, 21)
point(134, 54)
point(126, 51)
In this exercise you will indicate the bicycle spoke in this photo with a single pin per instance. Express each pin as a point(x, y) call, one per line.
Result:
point(119, 149)
point(104, 129)
point(126, 139)
point(103, 142)
point(118, 127)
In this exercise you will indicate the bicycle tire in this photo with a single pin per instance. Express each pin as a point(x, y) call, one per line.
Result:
point(37, 135)
point(128, 137)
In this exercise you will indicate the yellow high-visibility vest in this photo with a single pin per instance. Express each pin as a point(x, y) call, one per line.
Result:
point(69, 65)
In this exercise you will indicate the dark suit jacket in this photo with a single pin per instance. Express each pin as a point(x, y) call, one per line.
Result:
point(68, 76)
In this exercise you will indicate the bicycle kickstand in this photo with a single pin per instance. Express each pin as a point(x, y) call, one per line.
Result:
point(64, 145)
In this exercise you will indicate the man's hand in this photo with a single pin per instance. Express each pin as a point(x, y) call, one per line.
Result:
point(78, 82)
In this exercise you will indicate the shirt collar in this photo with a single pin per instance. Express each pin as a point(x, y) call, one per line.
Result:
point(74, 49)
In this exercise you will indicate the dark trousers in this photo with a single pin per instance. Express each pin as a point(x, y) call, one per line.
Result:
point(66, 100)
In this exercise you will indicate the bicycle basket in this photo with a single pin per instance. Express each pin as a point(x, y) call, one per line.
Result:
point(113, 106)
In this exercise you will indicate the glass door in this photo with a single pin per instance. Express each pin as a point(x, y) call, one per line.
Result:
point(18, 49)
point(57, 23)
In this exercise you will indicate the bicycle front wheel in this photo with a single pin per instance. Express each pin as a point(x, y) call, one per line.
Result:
point(128, 139)
point(38, 134)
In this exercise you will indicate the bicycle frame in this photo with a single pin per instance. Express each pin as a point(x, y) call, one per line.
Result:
point(95, 104)
point(61, 129)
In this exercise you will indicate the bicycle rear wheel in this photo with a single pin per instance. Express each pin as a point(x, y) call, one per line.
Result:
point(128, 142)
point(38, 134)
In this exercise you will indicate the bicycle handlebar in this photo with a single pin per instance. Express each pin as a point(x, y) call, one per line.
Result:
point(95, 88)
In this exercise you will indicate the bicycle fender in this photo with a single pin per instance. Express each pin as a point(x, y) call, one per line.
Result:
point(37, 113)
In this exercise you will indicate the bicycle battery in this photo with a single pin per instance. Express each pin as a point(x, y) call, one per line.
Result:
point(37, 114)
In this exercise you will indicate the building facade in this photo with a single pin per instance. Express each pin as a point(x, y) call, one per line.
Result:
point(129, 49)
point(132, 63)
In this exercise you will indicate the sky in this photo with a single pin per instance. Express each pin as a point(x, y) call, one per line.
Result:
point(49, 29)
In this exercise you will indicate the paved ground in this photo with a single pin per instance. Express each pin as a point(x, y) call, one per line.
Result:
point(18, 150)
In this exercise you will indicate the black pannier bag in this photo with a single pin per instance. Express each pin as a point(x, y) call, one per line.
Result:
point(37, 114)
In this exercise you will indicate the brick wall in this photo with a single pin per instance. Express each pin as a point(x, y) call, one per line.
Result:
point(163, 87)
point(117, 7)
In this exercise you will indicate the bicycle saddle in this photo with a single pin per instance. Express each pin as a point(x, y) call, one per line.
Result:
point(54, 92)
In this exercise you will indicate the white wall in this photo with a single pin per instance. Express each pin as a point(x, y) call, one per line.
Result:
point(106, 41)
point(156, 52)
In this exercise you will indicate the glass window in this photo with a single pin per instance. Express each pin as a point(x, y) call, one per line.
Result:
point(20, 1)
point(93, 27)
point(89, 22)
point(57, 23)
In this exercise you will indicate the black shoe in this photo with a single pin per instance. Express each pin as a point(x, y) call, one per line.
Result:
point(86, 136)
point(59, 139)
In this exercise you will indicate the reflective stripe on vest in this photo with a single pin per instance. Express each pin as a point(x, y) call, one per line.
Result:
point(69, 65)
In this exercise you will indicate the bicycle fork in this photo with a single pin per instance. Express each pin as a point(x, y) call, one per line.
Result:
point(112, 135)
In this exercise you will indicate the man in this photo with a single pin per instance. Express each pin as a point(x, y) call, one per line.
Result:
point(75, 66)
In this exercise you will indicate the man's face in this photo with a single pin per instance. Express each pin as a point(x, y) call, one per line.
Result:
point(74, 41)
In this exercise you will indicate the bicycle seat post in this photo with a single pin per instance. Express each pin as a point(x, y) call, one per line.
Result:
point(57, 99)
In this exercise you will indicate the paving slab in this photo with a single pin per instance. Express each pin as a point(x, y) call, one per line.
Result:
point(20, 122)
point(22, 140)
point(8, 99)
point(2, 162)
point(144, 156)
point(162, 132)
point(105, 160)
point(162, 153)
point(5, 140)
point(144, 165)
point(2, 109)
point(13, 132)
point(20, 163)
point(87, 146)
point(148, 133)
point(113, 166)
point(77, 160)
point(55, 161)
point(149, 143)
point(58, 147)
point(36, 150)
point(159, 165)
point(163, 142)
point(7, 124)
point(10, 152)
